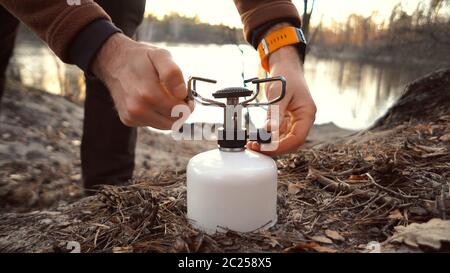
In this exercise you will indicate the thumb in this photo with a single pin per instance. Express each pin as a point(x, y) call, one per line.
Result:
point(169, 73)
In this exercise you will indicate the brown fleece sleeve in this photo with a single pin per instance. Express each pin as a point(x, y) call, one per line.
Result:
point(57, 22)
point(256, 13)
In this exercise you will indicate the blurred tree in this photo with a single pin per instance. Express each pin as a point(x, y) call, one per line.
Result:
point(176, 28)
point(306, 18)
point(435, 7)
point(420, 36)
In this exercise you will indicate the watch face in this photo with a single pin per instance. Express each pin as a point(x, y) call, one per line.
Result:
point(265, 47)
point(301, 35)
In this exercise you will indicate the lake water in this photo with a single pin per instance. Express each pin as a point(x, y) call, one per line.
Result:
point(352, 95)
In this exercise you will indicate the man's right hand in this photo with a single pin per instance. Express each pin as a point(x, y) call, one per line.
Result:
point(144, 81)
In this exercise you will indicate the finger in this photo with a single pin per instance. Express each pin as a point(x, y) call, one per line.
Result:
point(140, 114)
point(157, 121)
point(191, 105)
point(156, 98)
point(253, 145)
point(294, 138)
point(170, 74)
point(276, 134)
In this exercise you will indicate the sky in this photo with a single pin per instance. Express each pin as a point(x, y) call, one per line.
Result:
point(224, 11)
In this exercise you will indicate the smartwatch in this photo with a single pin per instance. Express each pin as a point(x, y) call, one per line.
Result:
point(279, 38)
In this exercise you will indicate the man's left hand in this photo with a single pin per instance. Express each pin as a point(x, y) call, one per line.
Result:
point(296, 110)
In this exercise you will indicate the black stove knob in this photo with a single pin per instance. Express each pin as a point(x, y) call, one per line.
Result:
point(232, 92)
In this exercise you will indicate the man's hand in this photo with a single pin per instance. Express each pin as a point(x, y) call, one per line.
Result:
point(144, 81)
point(297, 110)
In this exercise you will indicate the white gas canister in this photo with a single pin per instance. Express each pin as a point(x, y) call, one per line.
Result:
point(232, 187)
point(234, 190)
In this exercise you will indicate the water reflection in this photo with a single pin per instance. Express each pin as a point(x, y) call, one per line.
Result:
point(352, 94)
point(348, 93)
point(38, 67)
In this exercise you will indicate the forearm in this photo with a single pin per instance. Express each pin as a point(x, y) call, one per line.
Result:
point(258, 16)
point(59, 24)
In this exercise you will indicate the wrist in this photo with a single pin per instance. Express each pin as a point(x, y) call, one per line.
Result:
point(276, 27)
point(86, 44)
point(285, 55)
point(282, 43)
point(107, 55)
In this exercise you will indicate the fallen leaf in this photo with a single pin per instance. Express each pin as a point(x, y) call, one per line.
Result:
point(445, 137)
point(369, 158)
point(324, 249)
point(75, 177)
point(273, 243)
point(361, 246)
point(294, 188)
point(309, 247)
point(358, 177)
point(76, 142)
point(17, 177)
point(334, 235)
point(302, 247)
point(425, 127)
point(430, 234)
point(125, 249)
point(395, 215)
point(355, 178)
point(227, 242)
point(321, 239)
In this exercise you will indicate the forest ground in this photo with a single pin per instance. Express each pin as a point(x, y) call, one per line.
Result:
point(386, 184)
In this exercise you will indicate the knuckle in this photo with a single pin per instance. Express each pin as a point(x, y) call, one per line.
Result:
point(147, 97)
point(134, 110)
point(126, 120)
point(163, 52)
point(171, 72)
point(311, 111)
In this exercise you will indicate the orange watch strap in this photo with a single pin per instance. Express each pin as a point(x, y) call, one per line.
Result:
point(275, 40)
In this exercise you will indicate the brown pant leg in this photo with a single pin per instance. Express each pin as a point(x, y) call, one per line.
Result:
point(8, 32)
point(108, 146)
